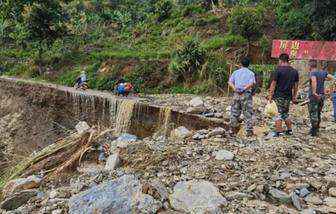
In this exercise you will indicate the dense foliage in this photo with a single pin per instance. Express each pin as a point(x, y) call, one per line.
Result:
point(151, 42)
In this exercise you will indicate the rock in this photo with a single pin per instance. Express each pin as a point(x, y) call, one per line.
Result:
point(116, 196)
point(196, 102)
point(148, 204)
point(53, 194)
point(112, 162)
point(280, 196)
point(21, 184)
point(216, 131)
point(296, 201)
point(197, 197)
point(224, 155)
point(304, 192)
point(180, 133)
point(199, 136)
point(332, 191)
point(82, 127)
point(156, 189)
point(18, 199)
point(308, 211)
point(195, 110)
point(210, 114)
point(218, 115)
point(330, 202)
point(58, 211)
point(124, 140)
point(60, 193)
point(313, 199)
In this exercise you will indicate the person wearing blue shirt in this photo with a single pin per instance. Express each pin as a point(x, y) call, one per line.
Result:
point(316, 95)
point(333, 96)
point(242, 82)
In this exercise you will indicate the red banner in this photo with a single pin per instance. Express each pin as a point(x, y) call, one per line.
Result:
point(305, 49)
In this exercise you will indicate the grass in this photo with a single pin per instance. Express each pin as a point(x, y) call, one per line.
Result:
point(227, 41)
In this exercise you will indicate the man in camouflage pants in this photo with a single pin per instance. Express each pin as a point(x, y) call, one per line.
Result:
point(283, 90)
point(316, 95)
point(242, 81)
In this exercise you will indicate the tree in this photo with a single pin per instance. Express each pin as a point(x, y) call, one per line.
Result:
point(323, 15)
point(45, 21)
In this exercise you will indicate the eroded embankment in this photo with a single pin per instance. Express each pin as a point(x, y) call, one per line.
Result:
point(34, 115)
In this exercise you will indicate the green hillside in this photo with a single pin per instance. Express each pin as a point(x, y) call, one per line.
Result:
point(185, 46)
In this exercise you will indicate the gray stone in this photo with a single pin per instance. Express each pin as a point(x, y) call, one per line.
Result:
point(21, 184)
point(304, 192)
point(280, 196)
point(195, 110)
point(112, 162)
point(199, 136)
point(197, 197)
point(124, 140)
point(296, 201)
point(210, 114)
point(18, 199)
point(308, 211)
point(224, 155)
point(216, 131)
point(330, 202)
point(82, 127)
point(313, 199)
point(332, 191)
point(58, 211)
point(117, 196)
point(180, 133)
point(196, 102)
point(148, 204)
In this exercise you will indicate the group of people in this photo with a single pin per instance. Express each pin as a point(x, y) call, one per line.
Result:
point(283, 91)
point(122, 87)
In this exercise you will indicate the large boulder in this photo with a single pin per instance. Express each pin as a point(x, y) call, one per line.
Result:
point(20, 184)
point(197, 197)
point(122, 195)
point(18, 199)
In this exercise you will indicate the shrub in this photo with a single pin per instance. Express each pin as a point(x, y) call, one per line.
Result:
point(192, 9)
point(263, 74)
point(187, 59)
point(245, 21)
point(295, 24)
point(226, 41)
point(216, 71)
point(164, 10)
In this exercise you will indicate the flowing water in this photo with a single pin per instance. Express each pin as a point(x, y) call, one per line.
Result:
point(165, 117)
point(124, 116)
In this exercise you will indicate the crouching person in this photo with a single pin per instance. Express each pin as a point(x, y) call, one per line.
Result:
point(123, 88)
point(242, 82)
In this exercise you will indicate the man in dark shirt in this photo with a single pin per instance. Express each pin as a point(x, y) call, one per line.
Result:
point(283, 90)
point(316, 95)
